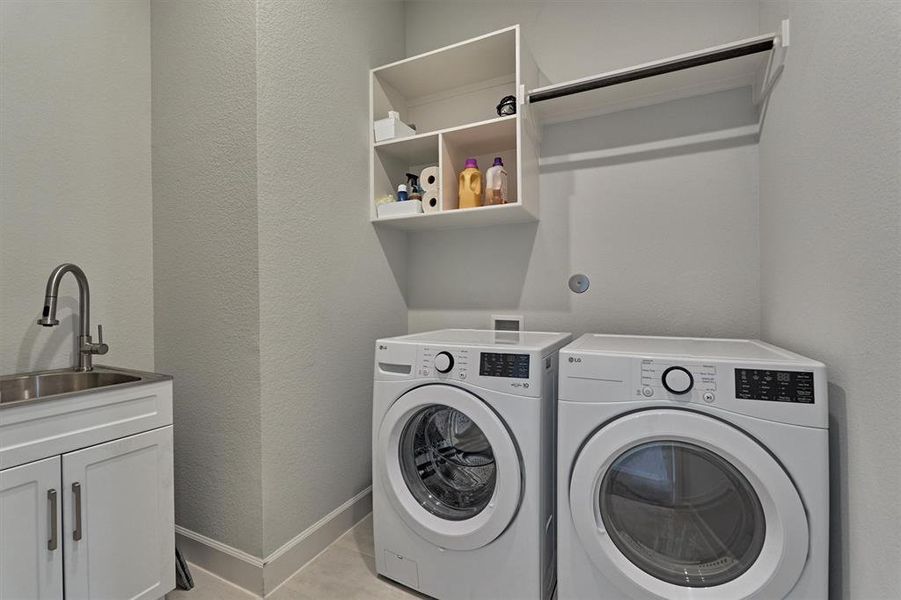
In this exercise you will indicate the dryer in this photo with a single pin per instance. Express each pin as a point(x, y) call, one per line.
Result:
point(463, 462)
point(691, 469)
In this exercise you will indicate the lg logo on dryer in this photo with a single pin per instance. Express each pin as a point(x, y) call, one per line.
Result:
point(575, 359)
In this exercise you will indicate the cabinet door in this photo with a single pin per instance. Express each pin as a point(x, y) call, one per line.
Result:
point(118, 511)
point(31, 554)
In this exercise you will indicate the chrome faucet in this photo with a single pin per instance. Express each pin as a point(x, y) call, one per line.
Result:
point(86, 349)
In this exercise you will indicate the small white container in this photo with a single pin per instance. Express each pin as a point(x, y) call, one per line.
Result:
point(392, 127)
point(396, 209)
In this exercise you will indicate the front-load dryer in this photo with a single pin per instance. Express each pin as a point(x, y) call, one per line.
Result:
point(691, 469)
point(463, 462)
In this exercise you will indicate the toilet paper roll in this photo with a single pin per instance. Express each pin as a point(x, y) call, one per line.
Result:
point(430, 201)
point(428, 179)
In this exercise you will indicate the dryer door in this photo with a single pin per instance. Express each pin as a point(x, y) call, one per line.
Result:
point(675, 504)
point(449, 466)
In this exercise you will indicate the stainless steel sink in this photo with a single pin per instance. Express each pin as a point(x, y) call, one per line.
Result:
point(19, 388)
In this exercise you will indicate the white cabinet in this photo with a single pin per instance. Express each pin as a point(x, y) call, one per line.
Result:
point(87, 496)
point(31, 555)
point(118, 509)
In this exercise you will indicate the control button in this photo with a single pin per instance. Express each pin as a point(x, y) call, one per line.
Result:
point(678, 380)
point(709, 397)
point(444, 362)
point(647, 392)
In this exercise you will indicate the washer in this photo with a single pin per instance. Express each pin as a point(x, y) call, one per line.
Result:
point(691, 468)
point(463, 462)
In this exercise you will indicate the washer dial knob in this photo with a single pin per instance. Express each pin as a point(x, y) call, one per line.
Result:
point(444, 362)
point(678, 380)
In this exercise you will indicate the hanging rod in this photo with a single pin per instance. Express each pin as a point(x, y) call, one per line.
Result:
point(679, 63)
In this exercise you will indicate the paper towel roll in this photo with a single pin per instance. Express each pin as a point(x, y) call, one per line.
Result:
point(430, 201)
point(428, 179)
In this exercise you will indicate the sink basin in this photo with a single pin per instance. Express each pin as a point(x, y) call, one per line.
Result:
point(33, 386)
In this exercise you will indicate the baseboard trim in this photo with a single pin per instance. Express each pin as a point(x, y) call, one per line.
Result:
point(261, 576)
point(297, 552)
point(235, 566)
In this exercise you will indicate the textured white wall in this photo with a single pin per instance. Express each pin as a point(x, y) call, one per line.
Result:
point(668, 239)
point(830, 224)
point(75, 177)
point(206, 260)
point(327, 291)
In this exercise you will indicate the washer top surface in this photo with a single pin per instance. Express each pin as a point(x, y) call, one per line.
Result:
point(684, 347)
point(522, 340)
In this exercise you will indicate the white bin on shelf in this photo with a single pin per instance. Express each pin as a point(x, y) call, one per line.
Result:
point(392, 127)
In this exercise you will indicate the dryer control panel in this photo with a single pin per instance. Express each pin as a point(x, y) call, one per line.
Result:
point(682, 380)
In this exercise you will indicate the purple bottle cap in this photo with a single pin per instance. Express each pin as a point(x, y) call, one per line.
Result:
point(471, 163)
point(498, 162)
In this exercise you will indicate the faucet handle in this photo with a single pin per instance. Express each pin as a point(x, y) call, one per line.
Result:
point(100, 347)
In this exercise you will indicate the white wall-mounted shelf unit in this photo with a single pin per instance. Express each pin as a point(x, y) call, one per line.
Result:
point(451, 95)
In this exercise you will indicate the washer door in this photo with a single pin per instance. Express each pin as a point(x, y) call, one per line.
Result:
point(673, 504)
point(449, 466)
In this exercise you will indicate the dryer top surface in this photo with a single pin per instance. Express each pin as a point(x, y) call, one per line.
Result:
point(697, 348)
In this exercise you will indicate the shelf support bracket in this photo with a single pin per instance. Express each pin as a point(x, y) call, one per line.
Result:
point(774, 66)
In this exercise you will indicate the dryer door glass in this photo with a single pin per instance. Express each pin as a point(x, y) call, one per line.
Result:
point(447, 462)
point(682, 513)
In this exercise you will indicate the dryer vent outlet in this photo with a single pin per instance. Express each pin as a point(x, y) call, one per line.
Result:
point(507, 322)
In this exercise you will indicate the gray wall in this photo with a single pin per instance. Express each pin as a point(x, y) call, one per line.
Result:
point(668, 239)
point(206, 260)
point(327, 290)
point(271, 283)
point(830, 225)
point(75, 177)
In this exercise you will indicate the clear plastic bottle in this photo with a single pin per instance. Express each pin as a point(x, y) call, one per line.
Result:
point(496, 183)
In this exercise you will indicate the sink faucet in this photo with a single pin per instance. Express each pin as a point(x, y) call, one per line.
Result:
point(86, 349)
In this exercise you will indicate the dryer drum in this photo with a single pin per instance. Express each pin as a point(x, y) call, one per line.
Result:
point(682, 513)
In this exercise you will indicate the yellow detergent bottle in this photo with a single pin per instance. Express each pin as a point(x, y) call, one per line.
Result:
point(470, 188)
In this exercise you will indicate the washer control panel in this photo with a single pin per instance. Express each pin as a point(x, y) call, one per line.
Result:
point(510, 371)
point(437, 361)
point(678, 381)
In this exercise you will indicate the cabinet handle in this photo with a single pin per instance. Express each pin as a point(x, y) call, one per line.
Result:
point(53, 542)
point(76, 500)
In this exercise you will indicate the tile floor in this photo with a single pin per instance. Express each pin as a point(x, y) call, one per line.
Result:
point(344, 571)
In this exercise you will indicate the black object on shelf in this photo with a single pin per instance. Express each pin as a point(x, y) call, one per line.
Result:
point(507, 106)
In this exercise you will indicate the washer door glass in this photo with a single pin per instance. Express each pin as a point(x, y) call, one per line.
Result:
point(447, 462)
point(682, 513)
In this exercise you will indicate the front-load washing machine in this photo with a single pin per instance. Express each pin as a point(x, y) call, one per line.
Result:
point(463, 462)
point(691, 469)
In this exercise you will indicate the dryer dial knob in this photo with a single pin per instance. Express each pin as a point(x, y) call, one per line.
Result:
point(678, 380)
point(444, 362)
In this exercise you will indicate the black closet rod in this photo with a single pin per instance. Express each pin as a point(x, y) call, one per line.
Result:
point(652, 71)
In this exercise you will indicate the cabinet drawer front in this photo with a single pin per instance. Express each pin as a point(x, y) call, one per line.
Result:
point(31, 556)
point(118, 510)
point(41, 429)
